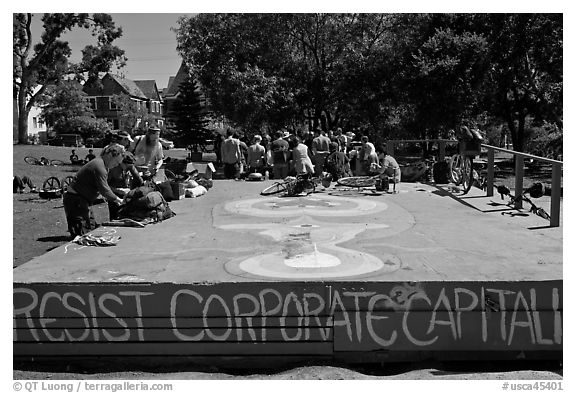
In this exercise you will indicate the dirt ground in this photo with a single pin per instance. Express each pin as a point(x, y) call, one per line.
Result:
point(39, 225)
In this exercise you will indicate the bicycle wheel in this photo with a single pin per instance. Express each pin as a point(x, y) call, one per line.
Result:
point(56, 162)
point(456, 169)
point(52, 183)
point(66, 182)
point(31, 160)
point(357, 181)
point(467, 172)
point(275, 188)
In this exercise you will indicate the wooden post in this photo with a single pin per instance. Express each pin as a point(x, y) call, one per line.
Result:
point(556, 194)
point(441, 150)
point(519, 186)
point(390, 148)
point(490, 173)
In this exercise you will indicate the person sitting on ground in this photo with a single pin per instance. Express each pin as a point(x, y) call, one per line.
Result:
point(337, 163)
point(120, 178)
point(91, 181)
point(300, 158)
point(256, 156)
point(20, 183)
point(148, 152)
point(74, 157)
point(90, 156)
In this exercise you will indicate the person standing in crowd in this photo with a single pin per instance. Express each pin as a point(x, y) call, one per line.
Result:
point(280, 155)
point(337, 163)
point(243, 156)
point(342, 140)
point(320, 150)
point(300, 158)
point(231, 156)
point(90, 181)
point(122, 138)
point(218, 139)
point(148, 151)
point(256, 156)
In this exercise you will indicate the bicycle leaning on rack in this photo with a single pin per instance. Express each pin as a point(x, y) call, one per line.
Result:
point(300, 185)
point(535, 191)
point(42, 161)
point(461, 164)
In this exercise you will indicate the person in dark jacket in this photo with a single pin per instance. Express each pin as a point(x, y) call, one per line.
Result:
point(91, 181)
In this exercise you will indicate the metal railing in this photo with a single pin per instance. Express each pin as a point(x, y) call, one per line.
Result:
point(556, 191)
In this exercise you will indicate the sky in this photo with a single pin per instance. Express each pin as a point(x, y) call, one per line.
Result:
point(148, 42)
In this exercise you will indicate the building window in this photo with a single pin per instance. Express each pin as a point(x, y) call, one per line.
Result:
point(116, 124)
point(112, 102)
point(92, 102)
point(35, 122)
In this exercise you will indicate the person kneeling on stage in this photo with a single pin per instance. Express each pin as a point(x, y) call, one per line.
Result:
point(122, 178)
point(91, 180)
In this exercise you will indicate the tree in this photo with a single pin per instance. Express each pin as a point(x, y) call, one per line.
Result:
point(272, 68)
point(35, 67)
point(191, 116)
point(63, 102)
point(526, 77)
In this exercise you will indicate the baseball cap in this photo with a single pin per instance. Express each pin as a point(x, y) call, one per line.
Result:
point(124, 134)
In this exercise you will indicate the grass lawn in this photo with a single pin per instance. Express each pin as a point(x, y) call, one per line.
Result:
point(39, 225)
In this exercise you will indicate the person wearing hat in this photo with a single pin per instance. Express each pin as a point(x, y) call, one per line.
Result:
point(123, 138)
point(337, 163)
point(91, 181)
point(122, 177)
point(148, 151)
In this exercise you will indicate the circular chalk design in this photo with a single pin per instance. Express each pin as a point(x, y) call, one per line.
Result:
point(315, 265)
point(310, 250)
point(320, 205)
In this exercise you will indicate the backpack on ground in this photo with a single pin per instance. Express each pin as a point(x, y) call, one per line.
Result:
point(441, 171)
point(145, 203)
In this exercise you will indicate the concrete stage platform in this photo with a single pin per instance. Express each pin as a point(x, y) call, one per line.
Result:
point(337, 274)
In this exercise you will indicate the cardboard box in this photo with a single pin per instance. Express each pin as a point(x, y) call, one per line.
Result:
point(205, 169)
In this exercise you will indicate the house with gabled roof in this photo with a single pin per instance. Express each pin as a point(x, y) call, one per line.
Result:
point(143, 93)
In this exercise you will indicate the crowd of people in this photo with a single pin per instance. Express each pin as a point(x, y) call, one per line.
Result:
point(126, 163)
point(286, 154)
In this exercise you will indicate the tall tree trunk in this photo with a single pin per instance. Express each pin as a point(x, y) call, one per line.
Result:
point(22, 119)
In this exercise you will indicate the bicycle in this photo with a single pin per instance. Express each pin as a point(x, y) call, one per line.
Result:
point(380, 182)
point(535, 191)
point(462, 171)
point(54, 187)
point(42, 161)
point(301, 185)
